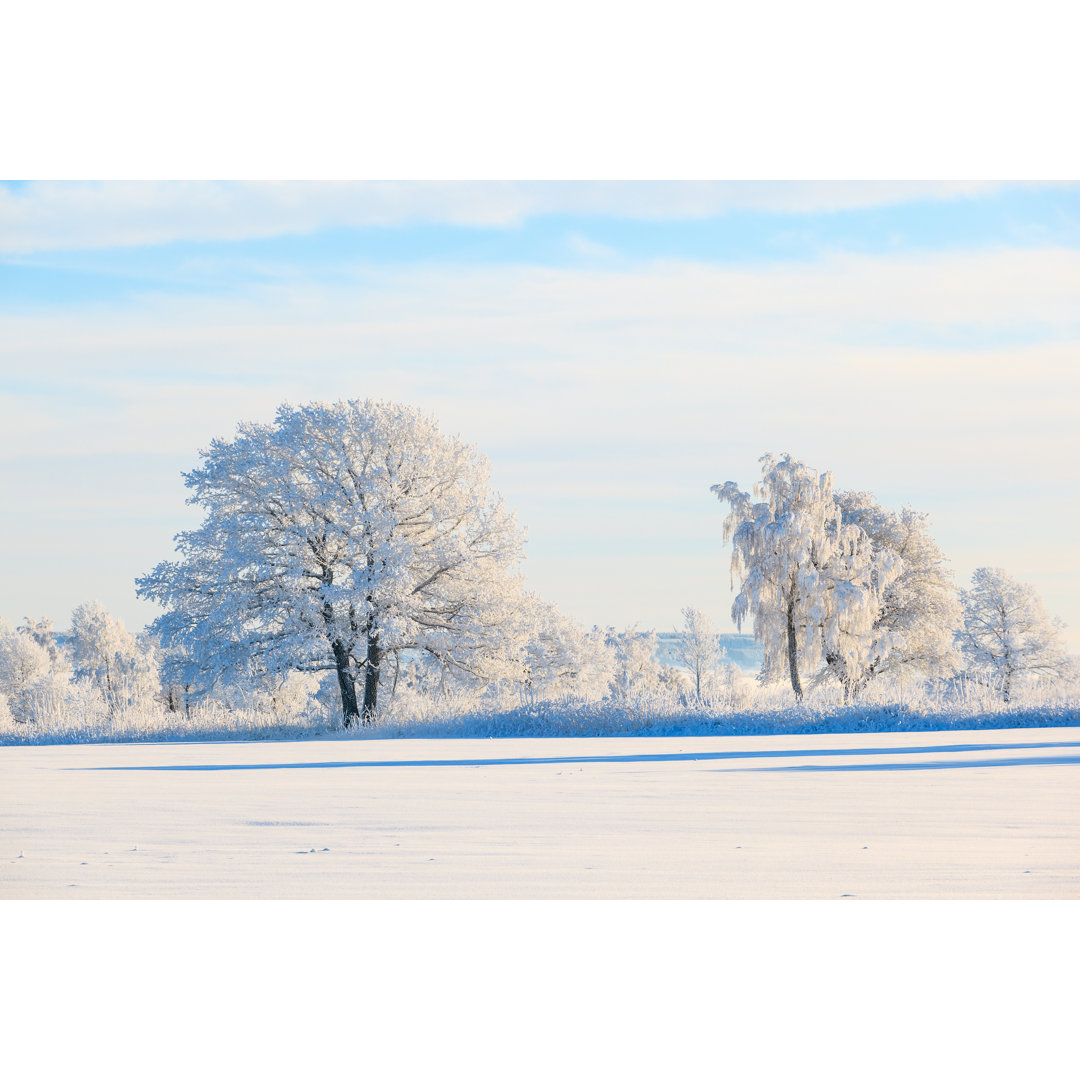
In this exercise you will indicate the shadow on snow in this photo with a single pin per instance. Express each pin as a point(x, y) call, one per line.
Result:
point(890, 766)
point(720, 755)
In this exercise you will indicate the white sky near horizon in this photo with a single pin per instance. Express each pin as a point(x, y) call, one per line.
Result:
point(609, 382)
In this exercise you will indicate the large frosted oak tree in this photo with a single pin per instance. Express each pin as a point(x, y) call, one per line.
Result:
point(334, 536)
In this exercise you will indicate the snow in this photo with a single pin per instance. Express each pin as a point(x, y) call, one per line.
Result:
point(986, 814)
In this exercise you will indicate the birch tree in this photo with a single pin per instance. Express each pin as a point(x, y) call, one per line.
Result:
point(635, 669)
point(698, 647)
point(1007, 632)
point(812, 583)
point(335, 536)
point(919, 613)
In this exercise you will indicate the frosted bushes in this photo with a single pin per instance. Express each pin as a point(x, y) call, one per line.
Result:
point(986, 694)
point(459, 714)
point(726, 687)
point(55, 709)
point(755, 709)
point(294, 696)
point(409, 703)
point(609, 719)
point(208, 721)
point(33, 680)
point(109, 694)
point(100, 671)
point(287, 696)
point(40, 700)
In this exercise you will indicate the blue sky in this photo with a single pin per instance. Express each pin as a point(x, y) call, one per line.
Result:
point(613, 348)
point(1020, 217)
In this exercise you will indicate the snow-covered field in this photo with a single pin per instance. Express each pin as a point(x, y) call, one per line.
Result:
point(915, 814)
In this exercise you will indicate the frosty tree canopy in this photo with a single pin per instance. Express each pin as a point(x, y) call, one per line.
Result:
point(1007, 632)
point(336, 535)
point(833, 581)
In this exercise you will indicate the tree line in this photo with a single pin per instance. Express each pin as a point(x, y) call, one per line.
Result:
point(354, 542)
point(838, 586)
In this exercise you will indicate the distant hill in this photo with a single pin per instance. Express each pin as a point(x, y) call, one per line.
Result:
point(741, 649)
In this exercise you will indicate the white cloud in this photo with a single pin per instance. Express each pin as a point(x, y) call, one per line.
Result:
point(44, 216)
point(525, 359)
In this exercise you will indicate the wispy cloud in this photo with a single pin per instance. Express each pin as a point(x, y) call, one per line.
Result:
point(597, 347)
point(44, 216)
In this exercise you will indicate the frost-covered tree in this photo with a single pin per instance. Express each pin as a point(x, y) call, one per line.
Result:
point(698, 647)
point(115, 662)
point(554, 657)
point(1007, 632)
point(636, 668)
point(335, 536)
point(812, 582)
point(288, 695)
point(559, 657)
point(23, 665)
point(34, 681)
point(919, 612)
point(41, 631)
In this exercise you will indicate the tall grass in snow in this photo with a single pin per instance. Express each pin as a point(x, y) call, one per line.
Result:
point(743, 707)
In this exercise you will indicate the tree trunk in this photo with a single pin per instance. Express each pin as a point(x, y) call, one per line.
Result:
point(859, 685)
point(110, 697)
point(851, 685)
point(349, 711)
point(397, 674)
point(371, 678)
point(792, 651)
